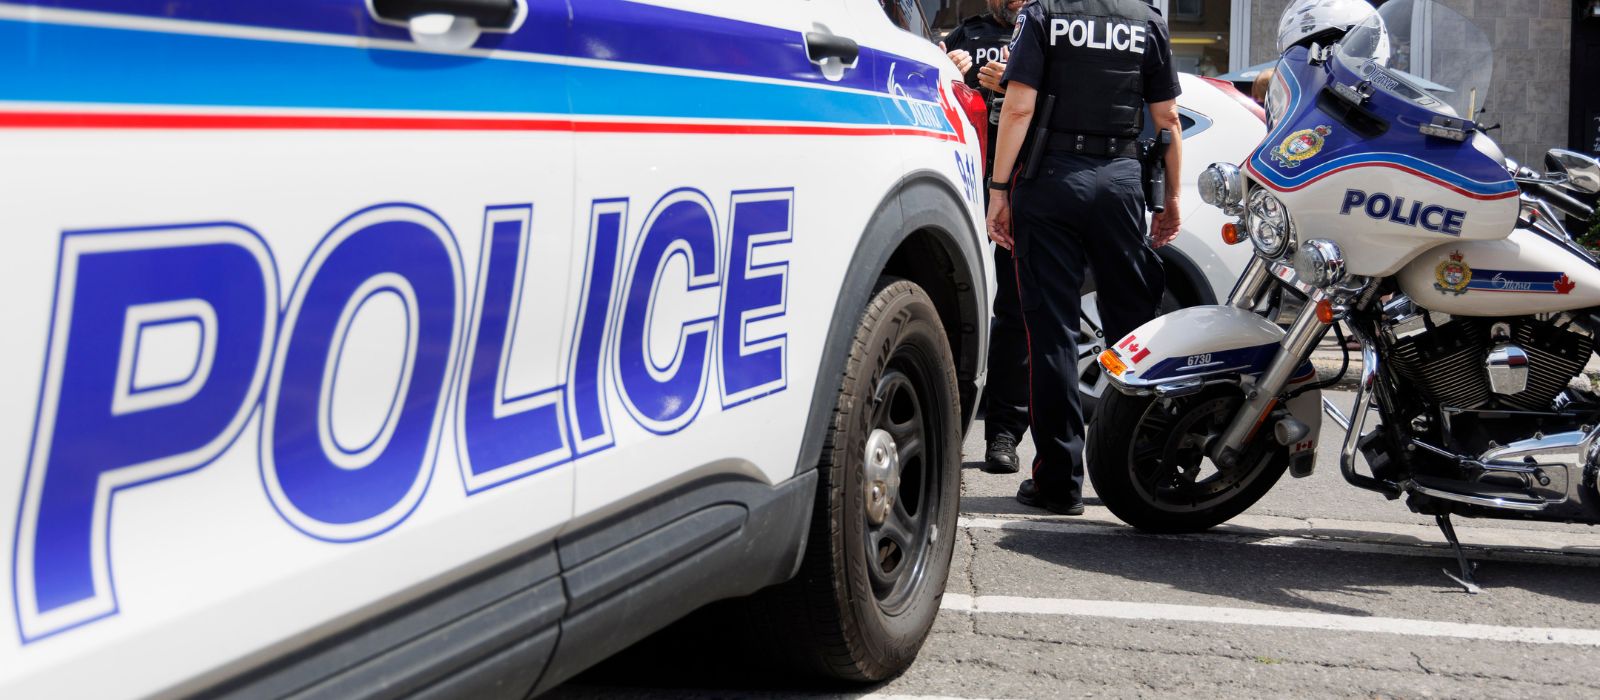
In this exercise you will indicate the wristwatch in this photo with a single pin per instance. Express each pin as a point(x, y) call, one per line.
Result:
point(997, 185)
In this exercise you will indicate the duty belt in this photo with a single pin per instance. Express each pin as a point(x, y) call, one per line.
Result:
point(1094, 145)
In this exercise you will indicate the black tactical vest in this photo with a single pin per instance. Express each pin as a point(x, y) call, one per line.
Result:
point(1095, 49)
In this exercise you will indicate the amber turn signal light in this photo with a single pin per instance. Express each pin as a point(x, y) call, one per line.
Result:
point(1325, 311)
point(1112, 363)
point(1231, 234)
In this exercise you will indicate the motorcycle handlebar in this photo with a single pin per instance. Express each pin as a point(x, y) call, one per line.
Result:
point(1564, 202)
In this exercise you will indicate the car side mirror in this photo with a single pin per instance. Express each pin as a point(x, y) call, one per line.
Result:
point(1582, 171)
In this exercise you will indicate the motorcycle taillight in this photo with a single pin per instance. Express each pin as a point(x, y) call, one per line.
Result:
point(977, 110)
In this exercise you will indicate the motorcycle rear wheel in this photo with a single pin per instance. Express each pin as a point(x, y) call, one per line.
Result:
point(1146, 460)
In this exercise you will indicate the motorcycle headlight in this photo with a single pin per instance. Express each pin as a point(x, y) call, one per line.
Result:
point(1319, 263)
point(1268, 220)
point(1222, 186)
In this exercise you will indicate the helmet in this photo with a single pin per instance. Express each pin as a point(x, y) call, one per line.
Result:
point(1321, 21)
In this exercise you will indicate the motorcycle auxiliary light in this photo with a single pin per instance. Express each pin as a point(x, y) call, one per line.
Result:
point(1319, 263)
point(1222, 186)
point(1268, 221)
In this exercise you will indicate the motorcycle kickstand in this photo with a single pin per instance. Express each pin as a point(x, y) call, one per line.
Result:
point(1466, 579)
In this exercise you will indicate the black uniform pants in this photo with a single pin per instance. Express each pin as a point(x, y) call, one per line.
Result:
point(1005, 409)
point(1078, 214)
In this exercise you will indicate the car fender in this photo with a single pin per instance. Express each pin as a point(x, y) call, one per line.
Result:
point(922, 203)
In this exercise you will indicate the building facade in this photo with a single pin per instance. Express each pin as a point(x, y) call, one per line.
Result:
point(1546, 89)
point(1537, 81)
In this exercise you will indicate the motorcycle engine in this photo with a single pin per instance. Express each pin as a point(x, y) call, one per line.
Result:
point(1445, 357)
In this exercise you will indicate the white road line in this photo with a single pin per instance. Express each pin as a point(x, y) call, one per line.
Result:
point(896, 696)
point(1164, 612)
point(1272, 538)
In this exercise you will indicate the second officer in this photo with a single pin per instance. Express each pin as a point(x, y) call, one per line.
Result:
point(977, 42)
point(1104, 62)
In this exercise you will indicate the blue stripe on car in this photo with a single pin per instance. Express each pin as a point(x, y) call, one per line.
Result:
point(80, 64)
point(611, 30)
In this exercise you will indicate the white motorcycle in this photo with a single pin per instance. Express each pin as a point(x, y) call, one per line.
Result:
point(1379, 199)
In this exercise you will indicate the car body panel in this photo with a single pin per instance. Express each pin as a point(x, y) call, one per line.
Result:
point(286, 136)
point(1229, 137)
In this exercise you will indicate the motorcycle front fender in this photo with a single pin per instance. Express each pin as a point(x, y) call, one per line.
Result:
point(1181, 352)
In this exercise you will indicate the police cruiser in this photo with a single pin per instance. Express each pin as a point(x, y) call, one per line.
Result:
point(446, 347)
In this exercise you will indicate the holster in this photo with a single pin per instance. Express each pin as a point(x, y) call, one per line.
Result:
point(1153, 164)
point(1040, 137)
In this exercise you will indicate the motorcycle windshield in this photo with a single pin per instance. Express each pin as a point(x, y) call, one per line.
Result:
point(1424, 52)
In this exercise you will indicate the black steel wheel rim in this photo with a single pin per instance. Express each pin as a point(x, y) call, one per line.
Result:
point(897, 549)
point(1167, 456)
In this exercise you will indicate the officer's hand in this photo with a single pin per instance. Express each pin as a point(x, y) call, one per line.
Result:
point(1000, 218)
point(989, 76)
point(1164, 226)
point(962, 59)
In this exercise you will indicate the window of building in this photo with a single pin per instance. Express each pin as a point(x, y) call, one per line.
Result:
point(1202, 33)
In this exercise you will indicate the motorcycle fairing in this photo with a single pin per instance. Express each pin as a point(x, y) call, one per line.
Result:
point(1458, 166)
point(1330, 165)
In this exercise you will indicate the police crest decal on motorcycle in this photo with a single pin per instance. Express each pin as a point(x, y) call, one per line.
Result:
point(1300, 145)
point(1453, 275)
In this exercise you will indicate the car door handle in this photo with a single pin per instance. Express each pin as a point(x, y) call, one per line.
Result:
point(499, 15)
point(821, 46)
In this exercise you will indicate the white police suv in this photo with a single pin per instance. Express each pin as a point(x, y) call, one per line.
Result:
point(445, 347)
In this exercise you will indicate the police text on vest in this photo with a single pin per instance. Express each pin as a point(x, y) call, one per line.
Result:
point(1092, 34)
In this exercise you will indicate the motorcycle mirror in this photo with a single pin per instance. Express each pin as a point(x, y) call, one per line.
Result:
point(1582, 171)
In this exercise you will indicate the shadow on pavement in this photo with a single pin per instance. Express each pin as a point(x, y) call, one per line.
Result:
point(709, 654)
point(1283, 576)
point(1008, 505)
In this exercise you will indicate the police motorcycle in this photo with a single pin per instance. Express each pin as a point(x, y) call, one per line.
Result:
point(1380, 201)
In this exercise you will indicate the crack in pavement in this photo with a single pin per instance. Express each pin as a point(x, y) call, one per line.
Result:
point(1420, 665)
point(1452, 675)
point(972, 571)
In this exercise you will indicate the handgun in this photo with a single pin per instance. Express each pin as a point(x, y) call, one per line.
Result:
point(1156, 165)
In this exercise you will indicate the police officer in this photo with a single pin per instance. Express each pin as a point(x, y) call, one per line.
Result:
point(979, 42)
point(981, 38)
point(1104, 61)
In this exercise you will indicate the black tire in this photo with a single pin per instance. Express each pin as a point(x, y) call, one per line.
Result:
point(837, 618)
point(1137, 444)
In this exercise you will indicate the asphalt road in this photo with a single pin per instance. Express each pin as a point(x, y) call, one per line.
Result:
point(1321, 590)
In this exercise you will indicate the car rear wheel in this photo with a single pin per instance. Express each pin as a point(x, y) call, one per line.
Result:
point(882, 530)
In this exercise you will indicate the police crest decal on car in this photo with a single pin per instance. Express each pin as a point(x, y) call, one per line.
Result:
point(1300, 145)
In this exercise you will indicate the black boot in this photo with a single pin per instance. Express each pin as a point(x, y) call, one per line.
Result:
point(1002, 455)
point(1030, 495)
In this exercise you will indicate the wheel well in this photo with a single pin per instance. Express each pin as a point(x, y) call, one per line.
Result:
point(925, 258)
point(1188, 283)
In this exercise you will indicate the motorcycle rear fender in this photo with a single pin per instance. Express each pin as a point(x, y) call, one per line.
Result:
point(1181, 352)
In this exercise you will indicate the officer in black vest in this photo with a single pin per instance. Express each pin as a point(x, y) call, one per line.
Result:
point(1104, 61)
point(979, 41)
point(982, 38)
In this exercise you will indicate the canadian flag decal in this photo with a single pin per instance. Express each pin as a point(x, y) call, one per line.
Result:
point(1131, 345)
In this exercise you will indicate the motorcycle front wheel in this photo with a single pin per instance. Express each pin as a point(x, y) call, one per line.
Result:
point(1146, 459)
